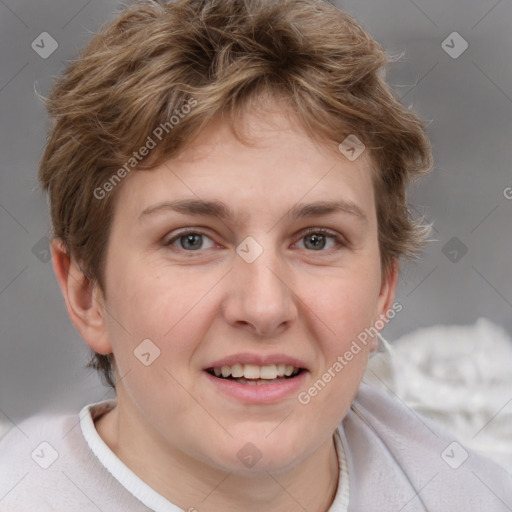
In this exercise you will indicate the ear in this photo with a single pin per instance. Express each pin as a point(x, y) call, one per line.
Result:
point(84, 299)
point(386, 298)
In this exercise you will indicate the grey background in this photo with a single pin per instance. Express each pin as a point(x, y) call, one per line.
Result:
point(466, 101)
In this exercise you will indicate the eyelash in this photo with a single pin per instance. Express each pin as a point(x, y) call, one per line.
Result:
point(340, 241)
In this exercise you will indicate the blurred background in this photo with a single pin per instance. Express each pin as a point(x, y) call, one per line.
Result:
point(455, 71)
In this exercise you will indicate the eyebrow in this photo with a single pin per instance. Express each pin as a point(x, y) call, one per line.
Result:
point(221, 211)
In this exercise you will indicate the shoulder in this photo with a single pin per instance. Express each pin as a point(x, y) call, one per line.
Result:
point(47, 465)
point(24, 438)
point(403, 457)
point(29, 453)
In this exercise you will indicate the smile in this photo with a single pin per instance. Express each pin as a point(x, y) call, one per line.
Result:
point(252, 374)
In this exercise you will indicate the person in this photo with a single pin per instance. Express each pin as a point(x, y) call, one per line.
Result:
point(227, 183)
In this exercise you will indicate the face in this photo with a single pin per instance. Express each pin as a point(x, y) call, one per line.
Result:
point(251, 273)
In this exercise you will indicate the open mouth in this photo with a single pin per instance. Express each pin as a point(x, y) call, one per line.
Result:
point(256, 375)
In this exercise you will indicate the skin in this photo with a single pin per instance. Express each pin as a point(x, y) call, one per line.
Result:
point(171, 426)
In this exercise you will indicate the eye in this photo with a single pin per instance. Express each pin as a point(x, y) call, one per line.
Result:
point(317, 239)
point(189, 241)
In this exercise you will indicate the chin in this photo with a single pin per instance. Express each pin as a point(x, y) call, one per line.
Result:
point(258, 456)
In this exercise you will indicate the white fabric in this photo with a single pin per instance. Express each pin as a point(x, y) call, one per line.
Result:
point(394, 461)
point(460, 376)
point(78, 479)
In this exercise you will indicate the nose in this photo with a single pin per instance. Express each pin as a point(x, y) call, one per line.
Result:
point(260, 297)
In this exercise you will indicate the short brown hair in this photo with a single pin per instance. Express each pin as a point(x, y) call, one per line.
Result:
point(155, 57)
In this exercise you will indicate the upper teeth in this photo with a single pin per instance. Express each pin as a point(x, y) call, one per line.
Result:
point(252, 371)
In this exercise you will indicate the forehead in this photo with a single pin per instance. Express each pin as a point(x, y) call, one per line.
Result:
point(283, 169)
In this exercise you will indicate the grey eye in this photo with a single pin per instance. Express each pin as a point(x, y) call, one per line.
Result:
point(317, 241)
point(190, 241)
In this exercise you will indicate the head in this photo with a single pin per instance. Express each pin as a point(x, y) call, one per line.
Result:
point(242, 104)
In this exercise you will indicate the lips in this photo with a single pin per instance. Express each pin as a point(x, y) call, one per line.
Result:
point(256, 391)
point(256, 369)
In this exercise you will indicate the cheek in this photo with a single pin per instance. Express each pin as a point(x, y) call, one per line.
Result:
point(150, 301)
point(345, 312)
point(344, 303)
point(168, 307)
point(155, 323)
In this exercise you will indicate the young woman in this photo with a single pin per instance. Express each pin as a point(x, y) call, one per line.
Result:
point(227, 185)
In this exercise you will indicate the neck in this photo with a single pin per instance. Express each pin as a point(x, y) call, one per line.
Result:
point(195, 486)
